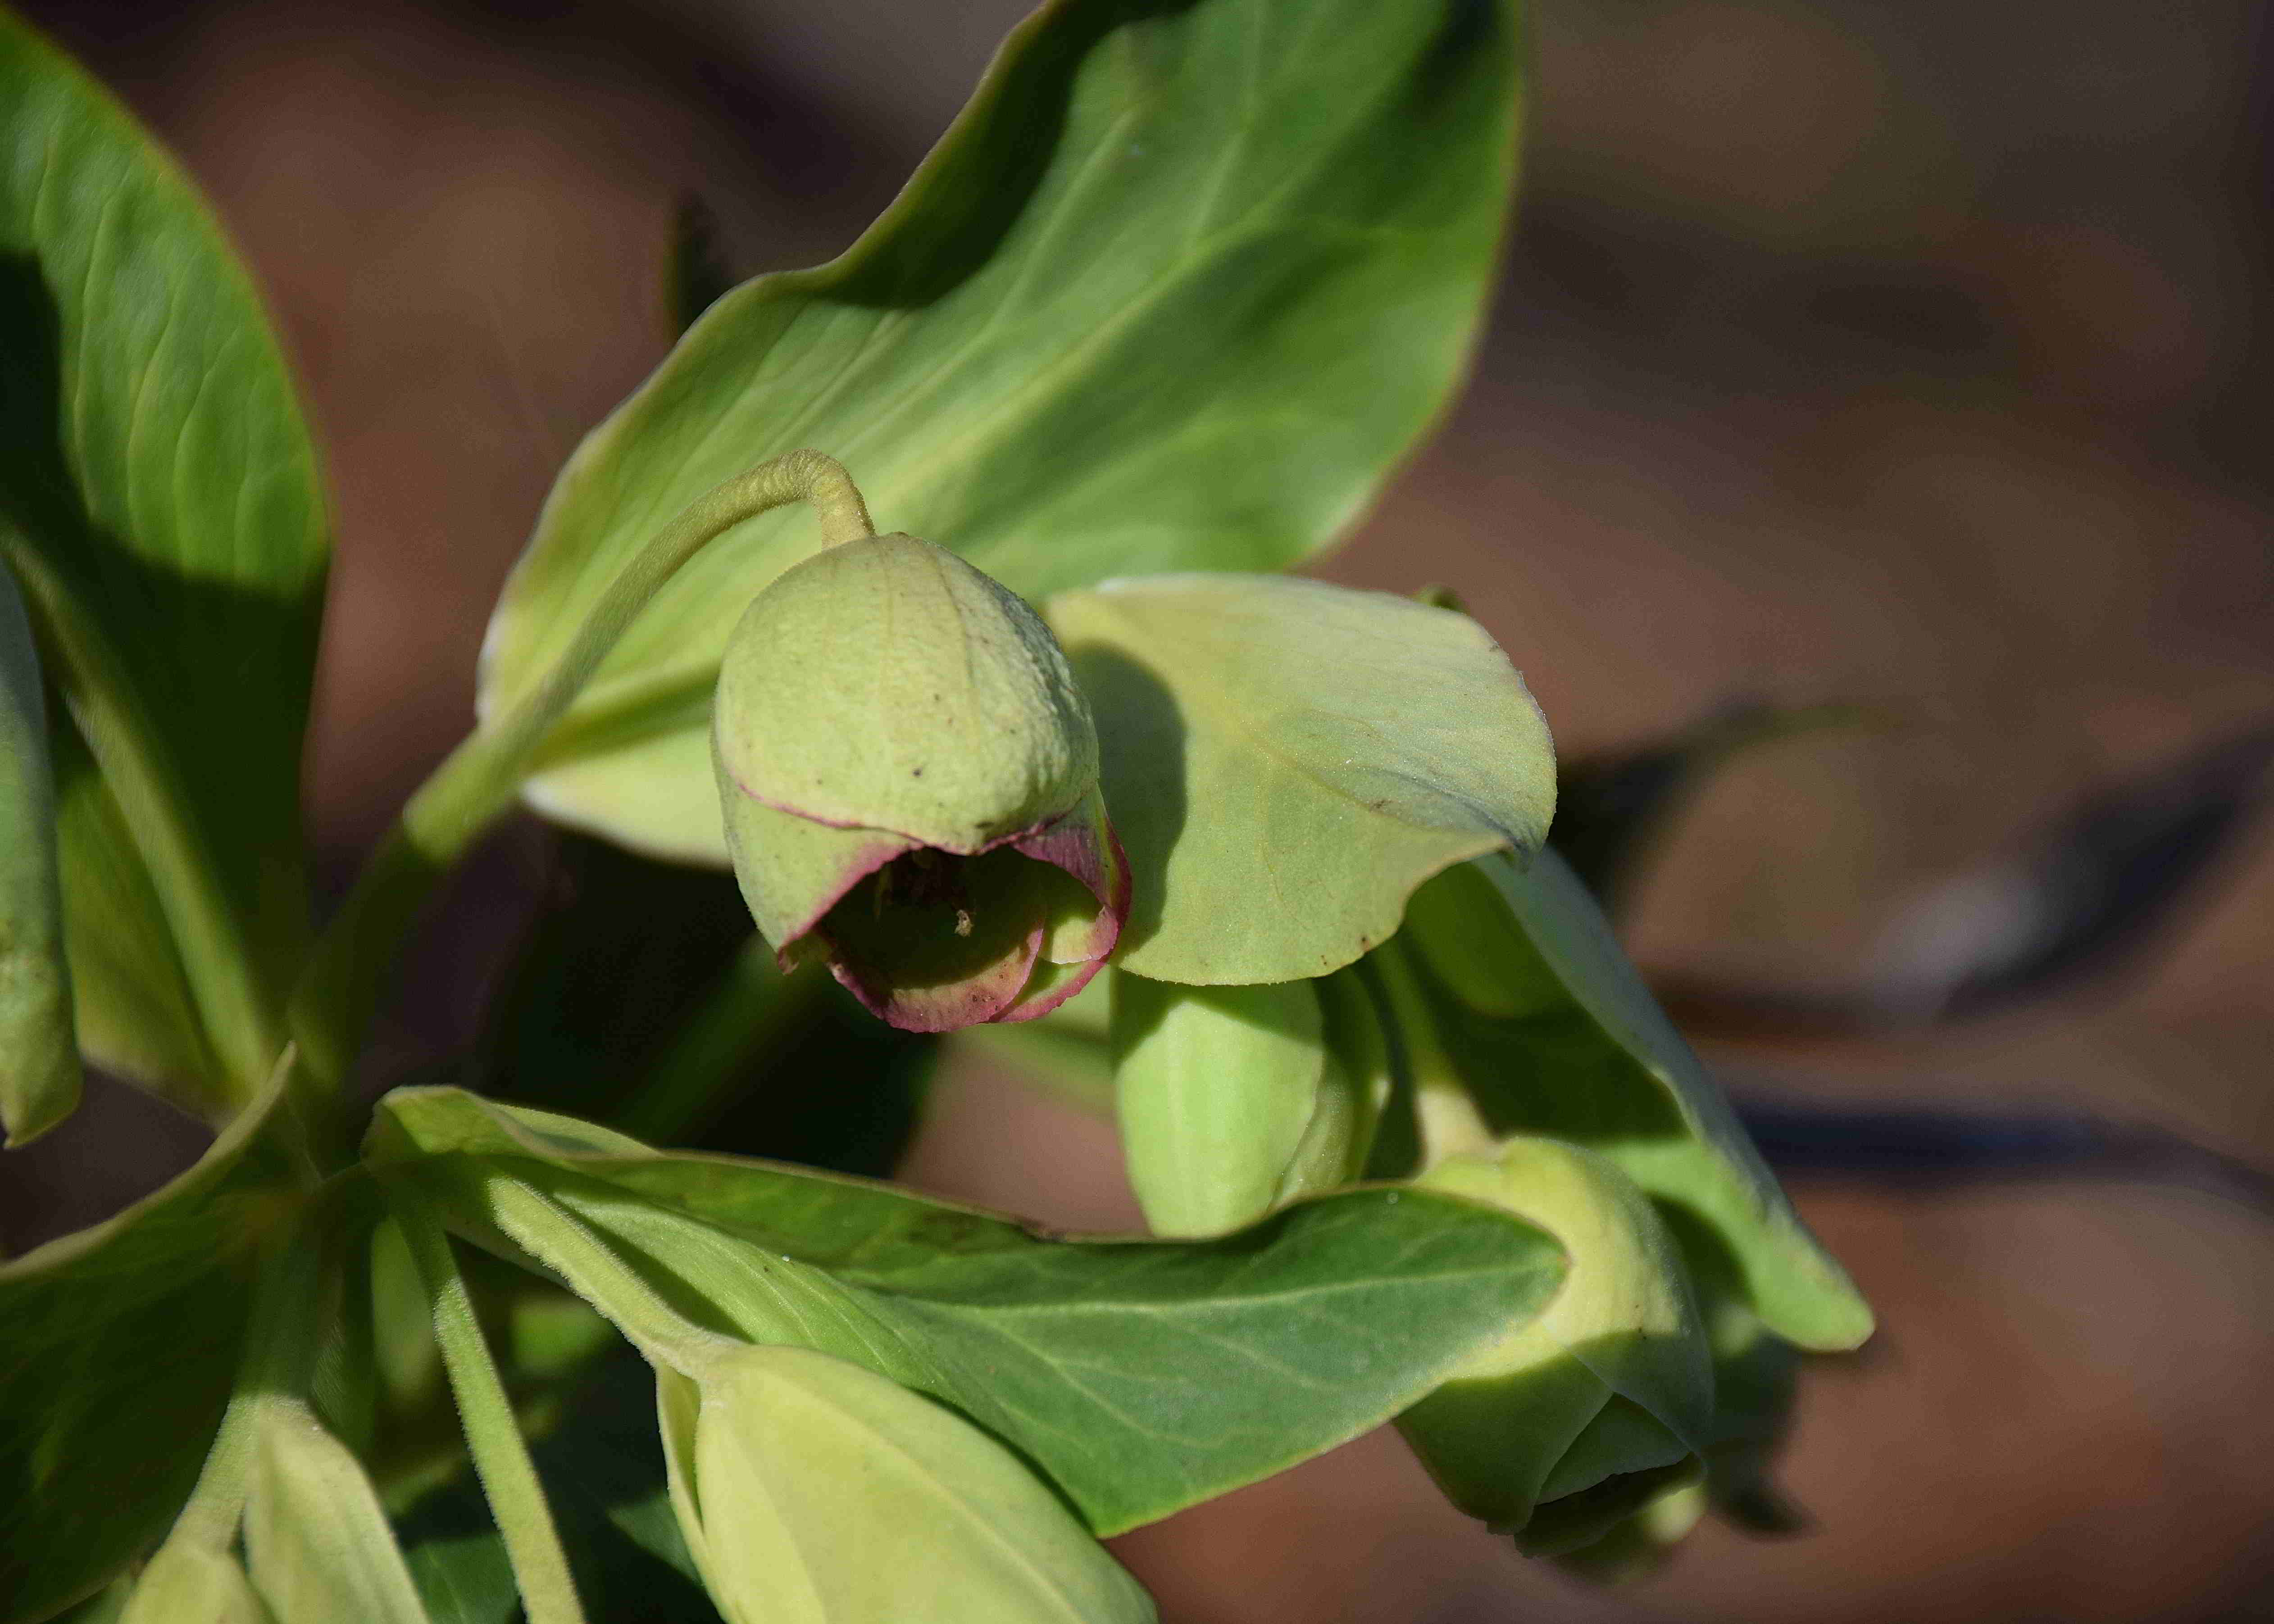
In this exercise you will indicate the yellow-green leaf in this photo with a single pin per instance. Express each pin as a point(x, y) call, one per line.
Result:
point(1176, 291)
point(1286, 760)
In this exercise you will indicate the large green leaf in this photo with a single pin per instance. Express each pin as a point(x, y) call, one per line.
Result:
point(39, 1057)
point(1141, 1377)
point(118, 1347)
point(1176, 291)
point(1286, 760)
point(1549, 1029)
point(159, 502)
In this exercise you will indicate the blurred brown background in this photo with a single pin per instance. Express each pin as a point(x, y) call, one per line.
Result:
point(1910, 355)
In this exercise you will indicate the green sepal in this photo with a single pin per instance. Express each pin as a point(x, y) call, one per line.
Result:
point(1216, 1088)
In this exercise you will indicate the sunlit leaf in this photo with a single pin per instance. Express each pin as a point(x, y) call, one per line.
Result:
point(1176, 291)
point(1286, 760)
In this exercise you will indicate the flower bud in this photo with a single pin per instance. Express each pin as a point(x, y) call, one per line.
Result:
point(813, 1491)
point(1580, 1414)
point(909, 778)
point(191, 1583)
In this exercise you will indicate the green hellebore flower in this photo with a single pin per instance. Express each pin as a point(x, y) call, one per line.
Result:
point(785, 1464)
point(909, 778)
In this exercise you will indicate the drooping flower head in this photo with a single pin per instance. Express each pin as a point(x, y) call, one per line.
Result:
point(909, 778)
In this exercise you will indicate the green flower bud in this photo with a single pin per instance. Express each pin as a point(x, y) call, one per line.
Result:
point(1585, 1411)
point(909, 778)
point(1234, 1100)
point(191, 1583)
point(813, 1491)
point(317, 1544)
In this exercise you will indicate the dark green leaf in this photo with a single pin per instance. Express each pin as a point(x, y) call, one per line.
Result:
point(39, 1056)
point(1178, 290)
point(120, 1344)
point(159, 502)
point(1141, 1377)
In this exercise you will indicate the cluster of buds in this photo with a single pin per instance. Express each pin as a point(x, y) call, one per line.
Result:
point(910, 778)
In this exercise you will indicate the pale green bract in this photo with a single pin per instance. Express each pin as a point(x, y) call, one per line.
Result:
point(814, 1491)
point(1154, 303)
point(1286, 760)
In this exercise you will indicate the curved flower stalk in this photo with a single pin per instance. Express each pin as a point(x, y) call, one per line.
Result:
point(909, 776)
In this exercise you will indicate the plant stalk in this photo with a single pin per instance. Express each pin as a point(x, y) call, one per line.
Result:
point(508, 1478)
point(480, 779)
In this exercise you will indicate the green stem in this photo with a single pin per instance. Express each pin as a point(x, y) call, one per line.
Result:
point(518, 1503)
point(558, 1238)
point(479, 779)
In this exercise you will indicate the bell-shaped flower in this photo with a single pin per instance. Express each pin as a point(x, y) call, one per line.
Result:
point(909, 776)
point(813, 1491)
